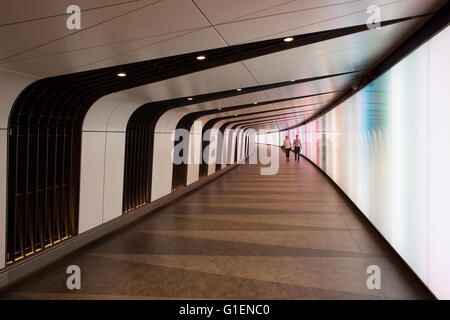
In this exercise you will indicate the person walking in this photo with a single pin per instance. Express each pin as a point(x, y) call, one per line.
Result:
point(297, 147)
point(287, 147)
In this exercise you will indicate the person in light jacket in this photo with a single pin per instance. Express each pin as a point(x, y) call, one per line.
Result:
point(297, 147)
point(287, 147)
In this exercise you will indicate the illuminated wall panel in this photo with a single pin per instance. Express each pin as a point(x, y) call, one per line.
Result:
point(438, 166)
point(387, 148)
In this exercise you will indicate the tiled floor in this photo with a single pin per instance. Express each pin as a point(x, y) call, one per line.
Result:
point(242, 236)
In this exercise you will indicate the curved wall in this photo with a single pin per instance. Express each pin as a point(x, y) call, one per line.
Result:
point(102, 159)
point(387, 148)
point(103, 150)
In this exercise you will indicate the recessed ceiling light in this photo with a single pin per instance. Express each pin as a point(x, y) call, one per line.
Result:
point(121, 74)
point(292, 80)
point(235, 115)
point(190, 98)
point(219, 108)
point(239, 89)
point(288, 39)
point(255, 102)
point(201, 58)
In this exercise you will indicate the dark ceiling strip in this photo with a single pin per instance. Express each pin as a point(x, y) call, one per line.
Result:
point(272, 116)
point(240, 122)
point(215, 120)
point(191, 117)
point(201, 98)
point(432, 26)
point(272, 119)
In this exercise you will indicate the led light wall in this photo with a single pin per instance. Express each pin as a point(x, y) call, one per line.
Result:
point(388, 149)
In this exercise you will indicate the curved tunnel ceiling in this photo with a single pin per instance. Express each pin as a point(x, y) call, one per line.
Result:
point(232, 39)
point(250, 77)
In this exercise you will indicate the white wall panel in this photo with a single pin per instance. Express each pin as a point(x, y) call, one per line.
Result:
point(224, 149)
point(233, 146)
point(114, 175)
point(162, 165)
point(212, 151)
point(163, 152)
point(110, 113)
point(98, 115)
point(439, 164)
point(119, 118)
point(229, 138)
point(104, 132)
point(239, 144)
point(169, 120)
point(91, 180)
point(195, 146)
point(387, 148)
point(224, 142)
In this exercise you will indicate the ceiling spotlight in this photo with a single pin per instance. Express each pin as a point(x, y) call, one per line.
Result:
point(288, 39)
point(239, 89)
point(201, 58)
point(121, 74)
point(190, 98)
point(292, 80)
point(255, 102)
point(219, 108)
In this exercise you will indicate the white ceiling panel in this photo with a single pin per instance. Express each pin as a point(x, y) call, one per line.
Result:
point(282, 113)
point(320, 86)
point(35, 41)
point(232, 101)
point(226, 77)
point(310, 103)
point(309, 100)
point(135, 31)
point(184, 42)
point(245, 21)
point(348, 53)
point(325, 85)
point(116, 54)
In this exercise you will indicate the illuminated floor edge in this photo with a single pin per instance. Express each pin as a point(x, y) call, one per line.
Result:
point(242, 236)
